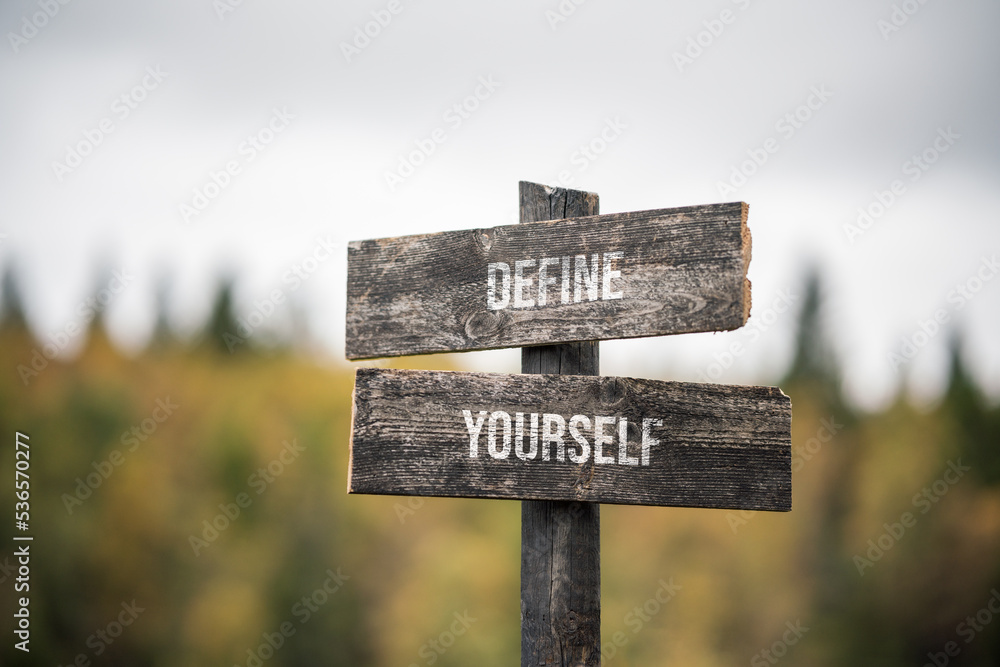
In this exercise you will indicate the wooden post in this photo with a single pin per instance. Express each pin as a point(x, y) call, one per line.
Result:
point(560, 541)
point(419, 433)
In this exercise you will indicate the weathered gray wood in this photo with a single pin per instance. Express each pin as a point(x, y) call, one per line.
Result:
point(560, 584)
point(560, 541)
point(718, 446)
point(682, 270)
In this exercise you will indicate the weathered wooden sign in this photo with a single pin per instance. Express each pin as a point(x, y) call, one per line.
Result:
point(570, 437)
point(560, 437)
point(624, 275)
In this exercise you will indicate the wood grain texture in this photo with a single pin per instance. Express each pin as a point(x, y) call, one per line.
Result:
point(682, 270)
point(560, 584)
point(719, 446)
point(560, 541)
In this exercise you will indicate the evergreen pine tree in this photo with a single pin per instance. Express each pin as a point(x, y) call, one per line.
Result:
point(814, 365)
point(163, 335)
point(12, 315)
point(975, 424)
point(222, 330)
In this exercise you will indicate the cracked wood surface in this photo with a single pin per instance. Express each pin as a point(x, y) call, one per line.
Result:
point(719, 446)
point(682, 270)
point(560, 540)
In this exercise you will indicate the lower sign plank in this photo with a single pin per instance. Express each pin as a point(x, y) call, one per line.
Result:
point(570, 437)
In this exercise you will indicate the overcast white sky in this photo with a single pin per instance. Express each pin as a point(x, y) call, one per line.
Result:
point(677, 128)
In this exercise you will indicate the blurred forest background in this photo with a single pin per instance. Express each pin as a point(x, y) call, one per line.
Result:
point(135, 457)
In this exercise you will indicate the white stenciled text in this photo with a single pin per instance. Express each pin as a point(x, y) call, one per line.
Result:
point(550, 280)
point(546, 436)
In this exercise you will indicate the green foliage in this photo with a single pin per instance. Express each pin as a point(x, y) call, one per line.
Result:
point(11, 304)
point(222, 329)
point(976, 425)
point(226, 520)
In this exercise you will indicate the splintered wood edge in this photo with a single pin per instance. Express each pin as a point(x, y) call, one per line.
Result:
point(778, 407)
point(746, 248)
point(745, 254)
point(791, 414)
point(350, 439)
point(549, 189)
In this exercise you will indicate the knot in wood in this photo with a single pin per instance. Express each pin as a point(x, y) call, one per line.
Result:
point(485, 237)
point(613, 391)
point(571, 623)
point(485, 324)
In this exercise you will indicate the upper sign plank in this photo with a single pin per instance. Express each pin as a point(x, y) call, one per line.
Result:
point(623, 275)
point(570, 437)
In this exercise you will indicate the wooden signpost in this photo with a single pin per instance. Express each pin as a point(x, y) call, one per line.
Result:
point(570, 437)
point(599, 277)
point(558, 440)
